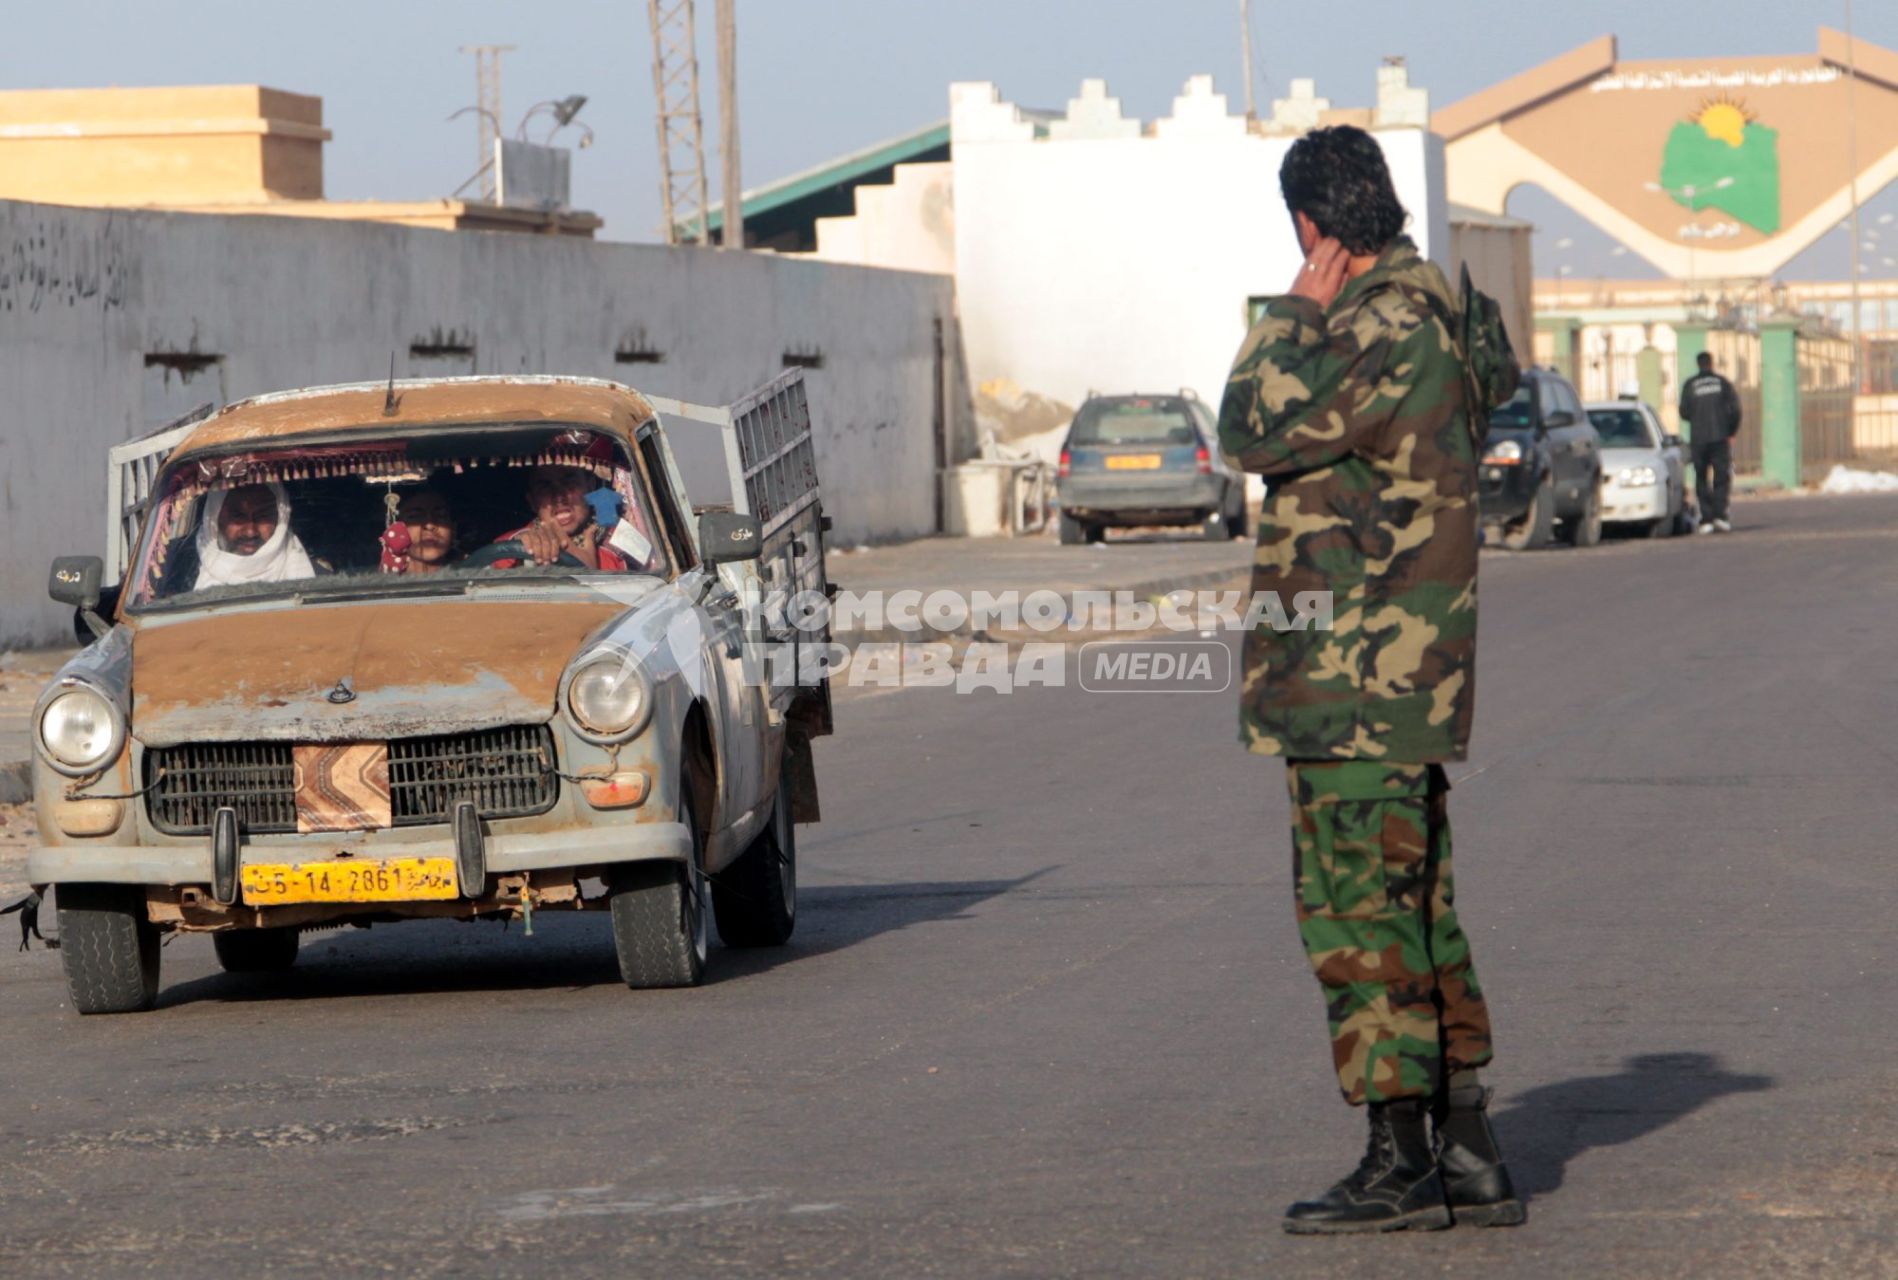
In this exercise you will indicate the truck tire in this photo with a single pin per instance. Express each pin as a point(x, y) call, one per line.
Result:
point(109, 948)
point(1533, 530)
point(1236, 518)
point(1073, 532)
point(755, 899)
point(1585, 529)
point(658, 908)
point(255, 950)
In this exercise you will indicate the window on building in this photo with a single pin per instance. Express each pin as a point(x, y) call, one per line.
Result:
point(1881, 368)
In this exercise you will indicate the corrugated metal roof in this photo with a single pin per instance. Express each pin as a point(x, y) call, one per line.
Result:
point(844, 169)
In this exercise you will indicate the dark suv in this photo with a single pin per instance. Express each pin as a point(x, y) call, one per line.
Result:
point(1147, 460)
point(1542, 467)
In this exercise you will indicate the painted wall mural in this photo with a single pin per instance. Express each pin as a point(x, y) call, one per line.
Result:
point(1705, 167)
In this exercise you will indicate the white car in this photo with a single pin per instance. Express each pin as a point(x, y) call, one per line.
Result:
point(1643, 482)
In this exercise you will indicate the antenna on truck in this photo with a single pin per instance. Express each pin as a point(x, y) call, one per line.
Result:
point(388, 397)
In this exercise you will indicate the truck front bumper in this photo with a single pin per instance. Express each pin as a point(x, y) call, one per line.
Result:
point(1505, 492)
point(184, 864)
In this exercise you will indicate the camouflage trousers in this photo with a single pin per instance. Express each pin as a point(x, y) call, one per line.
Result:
point(1376, 911)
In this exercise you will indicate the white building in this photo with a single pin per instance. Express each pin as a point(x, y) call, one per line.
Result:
point(1095, 251)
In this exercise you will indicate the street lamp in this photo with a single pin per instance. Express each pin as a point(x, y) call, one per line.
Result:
point(563, 111)
point(1692, 232)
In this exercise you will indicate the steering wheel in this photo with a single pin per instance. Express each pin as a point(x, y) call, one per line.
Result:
point(512, 549)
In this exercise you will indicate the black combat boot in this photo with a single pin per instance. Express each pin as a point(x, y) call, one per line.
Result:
point(1396, 1187)
point(1475, 1179)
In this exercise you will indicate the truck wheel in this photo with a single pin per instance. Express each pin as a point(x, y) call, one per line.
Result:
point(1585, 529)
point(255, 950)
point(659, 916)
point(1533, 530)
point(1236, 518)
point(109, 947)
point(1073, 532)
point(755, 899)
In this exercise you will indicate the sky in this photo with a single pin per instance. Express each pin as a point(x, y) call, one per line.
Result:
point(818, 78)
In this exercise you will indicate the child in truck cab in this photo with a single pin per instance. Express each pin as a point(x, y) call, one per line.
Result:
point(564, 521)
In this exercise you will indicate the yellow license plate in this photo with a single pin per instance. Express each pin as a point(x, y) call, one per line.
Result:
point(350, 880)
point(1133, 462)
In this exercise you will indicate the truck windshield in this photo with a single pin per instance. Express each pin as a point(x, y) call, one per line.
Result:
point(1516, 413)
point(1621, 428)
point(1136, 420)
point(395, 515)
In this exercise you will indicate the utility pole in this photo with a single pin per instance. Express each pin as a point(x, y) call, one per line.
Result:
point(488, 115)
point(1245, 53)
point(1851, 159)
point(675, 82)
point(729, 184)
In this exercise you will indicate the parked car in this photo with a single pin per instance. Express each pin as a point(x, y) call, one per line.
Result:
point(1644, 486)
point(1542, 467)
point(315, 698)
point(1147, 460)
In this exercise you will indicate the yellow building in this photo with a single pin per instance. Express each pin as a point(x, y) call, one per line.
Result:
point(209, 149)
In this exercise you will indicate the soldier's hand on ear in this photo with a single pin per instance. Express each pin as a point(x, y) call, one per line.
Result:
point(1322, 277)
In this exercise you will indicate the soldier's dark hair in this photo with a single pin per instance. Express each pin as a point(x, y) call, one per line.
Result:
point(1704, 359)
point(1337, 177)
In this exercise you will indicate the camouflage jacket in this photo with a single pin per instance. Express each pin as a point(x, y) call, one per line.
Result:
point(1357, 416)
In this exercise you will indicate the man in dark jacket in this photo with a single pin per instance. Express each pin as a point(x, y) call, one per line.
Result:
point(1710, 411)
point(1350, 395)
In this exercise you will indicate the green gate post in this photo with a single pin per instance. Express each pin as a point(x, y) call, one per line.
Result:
point(1780, 457)
point(1647, 373)
point(1690, 339)
point(1565, 333)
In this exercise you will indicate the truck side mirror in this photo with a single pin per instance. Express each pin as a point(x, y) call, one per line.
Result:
point(728, 536)
point(75, 581)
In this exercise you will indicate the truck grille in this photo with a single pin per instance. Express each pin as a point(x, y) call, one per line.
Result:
point(507, 772)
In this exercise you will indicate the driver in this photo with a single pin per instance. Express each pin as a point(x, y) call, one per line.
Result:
point(564, 522)
point(245, 537)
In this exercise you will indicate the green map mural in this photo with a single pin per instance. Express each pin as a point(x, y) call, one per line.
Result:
point(1730, 163)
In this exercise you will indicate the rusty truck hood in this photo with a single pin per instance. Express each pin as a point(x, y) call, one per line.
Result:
point(357, 671)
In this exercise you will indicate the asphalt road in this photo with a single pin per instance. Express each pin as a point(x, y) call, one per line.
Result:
point(1046, 1013)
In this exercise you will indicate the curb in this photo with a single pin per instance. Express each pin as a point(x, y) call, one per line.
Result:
point(967, 632)
point(16, 782)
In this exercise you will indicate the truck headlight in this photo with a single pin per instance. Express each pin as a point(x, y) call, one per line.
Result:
point(1635, 477)
point(80, 730)
point(609, 697)
point(1504, 453)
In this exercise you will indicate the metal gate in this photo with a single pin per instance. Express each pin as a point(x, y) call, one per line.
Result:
point(131, 472)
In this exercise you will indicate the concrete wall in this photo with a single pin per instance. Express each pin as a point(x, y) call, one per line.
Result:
point(1091, 253)
point(190, 144)
point(112, 322)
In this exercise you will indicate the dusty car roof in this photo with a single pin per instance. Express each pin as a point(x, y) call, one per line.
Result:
point(365, 406)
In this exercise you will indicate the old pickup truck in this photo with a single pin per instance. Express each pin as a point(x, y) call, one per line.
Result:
point(449, 648)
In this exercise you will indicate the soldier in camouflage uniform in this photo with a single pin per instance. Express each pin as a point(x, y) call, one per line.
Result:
point(1354, 397)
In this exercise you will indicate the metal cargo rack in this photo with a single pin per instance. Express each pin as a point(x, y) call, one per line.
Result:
point(773, 462)
point(131, 471)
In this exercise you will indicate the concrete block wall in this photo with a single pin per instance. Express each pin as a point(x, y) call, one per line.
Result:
point(113, 321)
